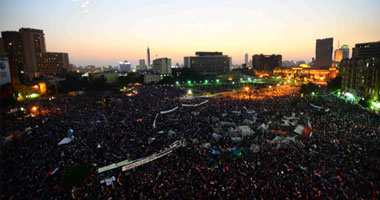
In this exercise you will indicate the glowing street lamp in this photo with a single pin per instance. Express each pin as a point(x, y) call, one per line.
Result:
point(217, 81)
point(189, 82)
point(247, 89)
point(189, 92)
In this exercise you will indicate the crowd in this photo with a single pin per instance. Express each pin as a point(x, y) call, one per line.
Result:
point(339, 161)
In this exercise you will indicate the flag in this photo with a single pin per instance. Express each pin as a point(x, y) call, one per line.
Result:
point(52, 171)
point(318, 174)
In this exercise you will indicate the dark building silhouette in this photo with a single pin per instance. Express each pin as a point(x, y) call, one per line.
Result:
point(28, 59)
point(366, 50)
point(323, 53)
point(209, 63)
point(14, 50)
point(361, 74)
point(266, 62)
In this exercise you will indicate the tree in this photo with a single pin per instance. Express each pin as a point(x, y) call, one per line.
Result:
point(335, 83)
point(308, 89)
point(167, 80)
point(366, 102)
point(188, 74)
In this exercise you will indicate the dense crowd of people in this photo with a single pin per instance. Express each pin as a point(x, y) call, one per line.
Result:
point(339, 161)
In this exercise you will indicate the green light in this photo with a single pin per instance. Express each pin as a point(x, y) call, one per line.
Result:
point(32, 96)
point(217, 80)
point(233, 83)
point(137, 109)
point(249, 79)
point(206, 81)
point(189, 82)
point(376, 104)
point(177, 82)
point(239, 154)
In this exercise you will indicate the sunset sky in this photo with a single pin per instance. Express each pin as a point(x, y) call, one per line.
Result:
point(104, 32)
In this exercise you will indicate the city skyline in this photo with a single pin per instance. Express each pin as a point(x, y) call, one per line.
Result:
point(104, 33)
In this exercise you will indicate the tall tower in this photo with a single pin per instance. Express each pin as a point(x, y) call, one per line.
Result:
point(148, 54)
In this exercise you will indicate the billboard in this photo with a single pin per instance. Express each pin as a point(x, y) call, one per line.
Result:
point(5, 73)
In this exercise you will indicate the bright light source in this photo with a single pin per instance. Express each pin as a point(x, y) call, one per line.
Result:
point(312, 93)
point(217, 80)
point(349, 95)
point(177, 82)
point(189, 82)
point(35, 86)
point(33, 95)
point(233, 83)
point(34, 108)
point(249, 79)
point(22, 109)
point(246, 89)
point(189, 92)
point(270, 86)
point(376, 104)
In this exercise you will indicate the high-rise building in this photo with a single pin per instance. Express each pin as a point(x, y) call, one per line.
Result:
point(2, 48)
point(53, 63)
point(361, 74)
point(346, 51)
point(246, 60)
point(162, 66)
point(361, 77)
point(142, 65)
point(14, 50)
point(266, 62)
point(209, 63)
point(148, 55)
point(28, 59)
point(341, 53)
point(323, 53)
point(366, 50)
point(125, 66)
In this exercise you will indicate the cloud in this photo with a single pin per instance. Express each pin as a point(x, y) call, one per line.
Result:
point(86, 3)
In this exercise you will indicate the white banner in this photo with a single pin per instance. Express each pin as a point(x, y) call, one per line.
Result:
point(315, 106)
point(169, 111)
point(66, 140)
point(114, 165)
point(154, 122)
point(299, 129)
point(140, 161)
point(146, 160)
point(194, 105)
